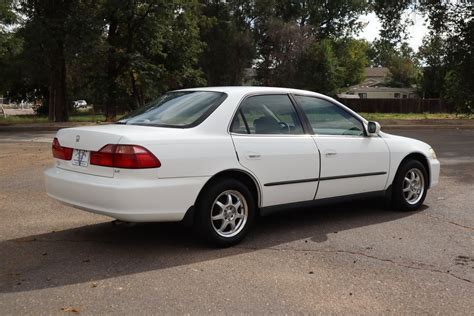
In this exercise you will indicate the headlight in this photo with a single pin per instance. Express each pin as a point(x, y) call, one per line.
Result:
point(432, 153)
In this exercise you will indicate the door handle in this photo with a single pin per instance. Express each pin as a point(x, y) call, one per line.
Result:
point(252, 155)
point(330, 154)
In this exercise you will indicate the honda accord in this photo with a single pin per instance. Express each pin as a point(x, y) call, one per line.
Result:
point(217, 157)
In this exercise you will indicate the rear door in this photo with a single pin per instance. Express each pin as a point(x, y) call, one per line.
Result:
point(270, 142)
point(351, 162)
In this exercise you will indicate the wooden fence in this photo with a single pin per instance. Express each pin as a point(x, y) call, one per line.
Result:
point(397, 105)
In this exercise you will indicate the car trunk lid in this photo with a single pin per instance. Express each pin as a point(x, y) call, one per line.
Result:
point(93, 138)
point(83, 140)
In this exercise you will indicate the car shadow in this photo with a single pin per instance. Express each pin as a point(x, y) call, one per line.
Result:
point(101, 251)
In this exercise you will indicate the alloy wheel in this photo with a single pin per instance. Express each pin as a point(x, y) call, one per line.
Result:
point(413, 186)
point(229, 213)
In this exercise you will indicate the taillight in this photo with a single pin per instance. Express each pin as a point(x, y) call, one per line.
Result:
point(60, 152)
point(103, 157)
point(124, 156)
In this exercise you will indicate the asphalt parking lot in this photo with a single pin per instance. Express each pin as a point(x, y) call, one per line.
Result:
point(353, 258)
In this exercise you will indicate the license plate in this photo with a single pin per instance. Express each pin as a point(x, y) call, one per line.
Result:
point(80, 157)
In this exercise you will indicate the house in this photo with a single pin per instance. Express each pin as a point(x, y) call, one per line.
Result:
point(374, 86)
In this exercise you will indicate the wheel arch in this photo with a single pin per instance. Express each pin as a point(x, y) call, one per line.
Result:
point(419, 157)
point(244, 176)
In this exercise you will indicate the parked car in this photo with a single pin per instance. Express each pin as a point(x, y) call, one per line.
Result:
point(218, 157)
point(78, 104)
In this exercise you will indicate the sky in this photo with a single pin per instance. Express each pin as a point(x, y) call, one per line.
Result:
point(415, 31)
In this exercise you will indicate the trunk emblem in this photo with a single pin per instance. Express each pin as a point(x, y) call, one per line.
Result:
point(78, 138)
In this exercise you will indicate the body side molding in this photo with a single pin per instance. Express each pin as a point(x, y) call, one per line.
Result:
point(326, 178)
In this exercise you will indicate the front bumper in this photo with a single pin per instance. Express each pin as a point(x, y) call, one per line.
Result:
point(133, 200)
point(434, 171)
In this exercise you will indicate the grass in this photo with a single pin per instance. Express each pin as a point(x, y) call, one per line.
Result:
point(411, 116)
point(27, 119)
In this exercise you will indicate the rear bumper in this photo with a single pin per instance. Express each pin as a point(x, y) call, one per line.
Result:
point(434, 172)
point(134, 200)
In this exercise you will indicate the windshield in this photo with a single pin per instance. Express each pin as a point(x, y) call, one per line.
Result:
point(176, 109)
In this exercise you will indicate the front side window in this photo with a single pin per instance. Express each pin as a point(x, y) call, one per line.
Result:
point(176, 109)
point(327, 118)
point(267, 114)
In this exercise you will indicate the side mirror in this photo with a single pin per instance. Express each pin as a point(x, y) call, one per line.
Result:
point(373, 128)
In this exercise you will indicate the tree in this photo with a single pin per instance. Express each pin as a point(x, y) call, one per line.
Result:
point(391, 49)
point(393, 30)
point(403, 68)
point(285, 28)
point(317, 68)
point(120, 54)
point(447, 53)
point(352, 60)
point(47, 28)
point(230, 45)
point(288, 42)
point(10, 45)
point(7, 19)
point(432, 54)
point(151, 47)
point(45, 42)
point(51, 32)
point(399, 59)
point(459, 79)
point(24, 77)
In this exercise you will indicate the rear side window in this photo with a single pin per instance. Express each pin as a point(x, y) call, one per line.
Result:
point(239, 125)
point(327, 118)
point(176, 109)
point(267, 114)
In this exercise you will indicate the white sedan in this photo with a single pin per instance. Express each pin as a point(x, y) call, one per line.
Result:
point(218, 157)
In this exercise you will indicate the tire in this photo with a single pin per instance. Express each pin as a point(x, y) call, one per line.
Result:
point(231, 220)
point(410, 186)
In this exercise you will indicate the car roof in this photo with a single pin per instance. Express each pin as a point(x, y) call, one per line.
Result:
point(243, 90)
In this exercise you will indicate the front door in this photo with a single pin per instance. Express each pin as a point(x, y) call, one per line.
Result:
point(270, 142)
point(351, 162)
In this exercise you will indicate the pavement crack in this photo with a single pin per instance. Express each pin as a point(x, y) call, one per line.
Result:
point(448, 221)
point(412, 265)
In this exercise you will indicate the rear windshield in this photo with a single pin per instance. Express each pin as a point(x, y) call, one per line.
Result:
point(176, 109)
